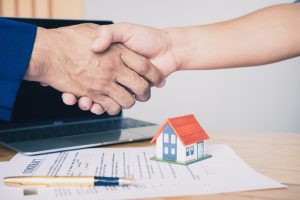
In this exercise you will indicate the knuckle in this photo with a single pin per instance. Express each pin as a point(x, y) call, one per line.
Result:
point(145, 96)
point(144, 66)
point(143, 88)
point(158, 79)
point(129, 103)
point(102, 87)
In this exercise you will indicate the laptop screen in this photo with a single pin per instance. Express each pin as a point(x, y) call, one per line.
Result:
point(36, 103)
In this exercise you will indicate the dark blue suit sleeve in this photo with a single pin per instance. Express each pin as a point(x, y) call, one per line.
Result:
point(17, 41)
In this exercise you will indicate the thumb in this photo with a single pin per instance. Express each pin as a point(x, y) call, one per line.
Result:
point(108, 34)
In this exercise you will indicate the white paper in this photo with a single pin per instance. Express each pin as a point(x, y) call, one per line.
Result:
point(224, 172)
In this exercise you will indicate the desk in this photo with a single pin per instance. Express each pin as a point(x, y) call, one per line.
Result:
point(276, 155)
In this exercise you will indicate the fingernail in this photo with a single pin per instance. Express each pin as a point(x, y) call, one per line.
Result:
point(84, 108)
point(94, 112)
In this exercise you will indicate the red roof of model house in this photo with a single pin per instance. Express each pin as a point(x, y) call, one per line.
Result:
point(187, 128)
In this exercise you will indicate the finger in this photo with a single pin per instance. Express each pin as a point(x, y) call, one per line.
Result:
point(109, 105)
point(44, 84)
point(121, 95)
point(134, 83)
point(85, 103)
point(108, 34)
point(143, 67)
point(97, 109)
point(162, 84)
point(69, 99)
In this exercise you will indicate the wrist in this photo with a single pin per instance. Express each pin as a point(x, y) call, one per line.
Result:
point(38, 62)
point(174, 46)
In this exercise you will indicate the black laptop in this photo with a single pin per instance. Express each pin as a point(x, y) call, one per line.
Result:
point(41, 123)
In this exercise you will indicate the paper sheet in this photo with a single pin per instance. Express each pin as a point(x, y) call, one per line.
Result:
point(224, 172)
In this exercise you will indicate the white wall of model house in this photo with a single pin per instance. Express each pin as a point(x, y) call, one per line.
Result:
point(182, 151)
point(180, 148)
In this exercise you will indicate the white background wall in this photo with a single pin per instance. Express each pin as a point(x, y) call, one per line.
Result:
point(250, 99)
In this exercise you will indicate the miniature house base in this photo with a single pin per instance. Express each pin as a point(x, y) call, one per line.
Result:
point(182, 163)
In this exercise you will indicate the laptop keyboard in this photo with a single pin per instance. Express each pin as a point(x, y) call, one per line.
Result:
point(85, 127)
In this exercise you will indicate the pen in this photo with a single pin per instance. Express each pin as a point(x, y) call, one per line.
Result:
point(66, 181)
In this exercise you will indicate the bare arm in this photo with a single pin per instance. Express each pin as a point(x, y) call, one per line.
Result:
point(262, 37)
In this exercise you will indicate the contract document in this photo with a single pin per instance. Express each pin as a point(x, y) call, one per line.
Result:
point(224, 172)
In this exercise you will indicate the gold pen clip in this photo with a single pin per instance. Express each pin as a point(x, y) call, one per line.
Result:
point(17, 182)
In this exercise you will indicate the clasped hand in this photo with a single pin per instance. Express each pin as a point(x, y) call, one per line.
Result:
point(106, 79)
point(240, 42)
point(153, 44)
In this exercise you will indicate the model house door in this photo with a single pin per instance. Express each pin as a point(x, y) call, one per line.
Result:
point(200, 149)
point(169, 144)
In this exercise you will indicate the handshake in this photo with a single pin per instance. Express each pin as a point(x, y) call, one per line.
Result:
point(103, 68)
point(106, 68)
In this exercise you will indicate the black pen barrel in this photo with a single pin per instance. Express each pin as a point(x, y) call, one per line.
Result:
point(106, 181)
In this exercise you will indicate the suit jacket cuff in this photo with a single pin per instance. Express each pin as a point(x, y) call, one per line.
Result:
point(17, 40)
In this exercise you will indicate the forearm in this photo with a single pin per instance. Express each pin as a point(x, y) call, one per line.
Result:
point(265, 36)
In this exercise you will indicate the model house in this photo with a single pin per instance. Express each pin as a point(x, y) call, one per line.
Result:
point(180, 140)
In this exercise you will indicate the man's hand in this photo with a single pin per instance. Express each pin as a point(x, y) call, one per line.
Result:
point(62, 58)
point(154, 44)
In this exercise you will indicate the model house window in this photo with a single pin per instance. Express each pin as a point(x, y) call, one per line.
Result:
point(187, 151)
point(173, 151)
point(192, 150)
point(173, 139)
point(166, 150)
point(166, 138)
